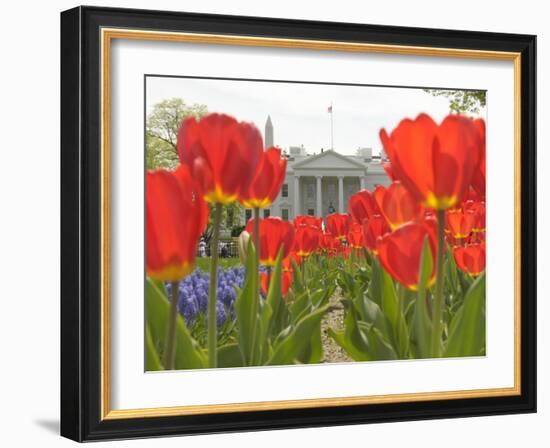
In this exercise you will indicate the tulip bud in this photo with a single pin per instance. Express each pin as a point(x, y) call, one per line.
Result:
point(242, 245)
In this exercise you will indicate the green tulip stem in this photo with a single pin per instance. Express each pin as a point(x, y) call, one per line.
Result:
point(368, 261)
point(257, 247)
point(212, 291)
point(438, 296)
point(401, 297)
point(268, 272)
point(169, 355)
point(257, 238)
point(256, 282)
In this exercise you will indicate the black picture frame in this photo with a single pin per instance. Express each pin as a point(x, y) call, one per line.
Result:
point(81, 226)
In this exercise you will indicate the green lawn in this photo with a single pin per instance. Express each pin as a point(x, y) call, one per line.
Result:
point(204, 263)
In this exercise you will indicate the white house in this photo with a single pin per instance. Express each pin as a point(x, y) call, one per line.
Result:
point(321, 184)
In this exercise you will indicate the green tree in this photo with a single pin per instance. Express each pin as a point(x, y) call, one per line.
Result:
point(161, 131)
point(462, 101)
point(158, 154)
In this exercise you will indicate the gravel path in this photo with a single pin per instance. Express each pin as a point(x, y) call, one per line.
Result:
point(333, 319)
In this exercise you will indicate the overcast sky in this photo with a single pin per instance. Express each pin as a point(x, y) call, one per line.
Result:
point(299, 112)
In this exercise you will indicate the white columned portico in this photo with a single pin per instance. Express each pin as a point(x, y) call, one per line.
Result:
point(319, 211)
point(341, 194)
point(362, 181)
point(296, 195)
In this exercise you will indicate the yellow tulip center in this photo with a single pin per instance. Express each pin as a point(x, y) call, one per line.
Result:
point(172, 273)
point(219, 196)
point(440, 203)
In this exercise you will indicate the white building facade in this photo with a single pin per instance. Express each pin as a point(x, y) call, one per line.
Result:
point(322, 184)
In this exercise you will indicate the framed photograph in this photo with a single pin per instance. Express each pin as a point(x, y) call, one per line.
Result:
point(273, 223)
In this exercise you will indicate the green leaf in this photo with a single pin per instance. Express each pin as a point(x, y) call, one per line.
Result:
point(422, 325)
point(282, 335)
point(372, 314)
point(346, 282)
point(392, 307)
point(152, 359)
point(296, 345)
point(314, 353)
point(452, 271)
point(379, 347)
point(297, 280)
point(263, 333)
point(275, 300)
point(357, 354)
point(467, 329)
point(320, 297)
point(188, 352)
point(246, 311)
point(229, 355)
point(350, 339)
point(300, 307)
point(375, 287)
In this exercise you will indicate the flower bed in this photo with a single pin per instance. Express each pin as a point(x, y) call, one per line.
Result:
point(408, 260)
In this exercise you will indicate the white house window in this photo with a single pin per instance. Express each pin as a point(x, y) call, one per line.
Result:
point(284, 192)
point(267, 212)
point(284, 213)
point(310, 212)
point(248, 214)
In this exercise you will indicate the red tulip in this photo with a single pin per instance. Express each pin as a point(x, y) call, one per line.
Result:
point(175, 217)
point(378, 195)
point(221, 153)
point(459, 222)
point(388, 169)
point(477, 208)
point(355, 236)
point(274, 235)
point(471, 258)
point(323, 241)
point(397, 204)
point(362, 205)
point(373, 229)
point(338, 225)
point(328, 244)
point(399, 252)
point(336, 247)
point(308, 220)
point(265, 186)
point(428, 214)
point(436, 163)
point(478, 180)
point(471, 196)
point(479, 212)
point(306, 240)
point(286, 282)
